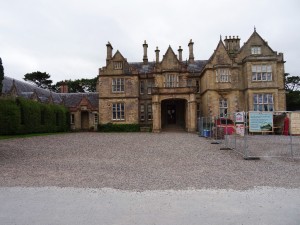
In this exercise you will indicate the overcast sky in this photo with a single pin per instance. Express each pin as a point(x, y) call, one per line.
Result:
point(67, 38)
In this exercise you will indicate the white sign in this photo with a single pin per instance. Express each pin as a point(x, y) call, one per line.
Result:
point(239, 117)
point(240, 129)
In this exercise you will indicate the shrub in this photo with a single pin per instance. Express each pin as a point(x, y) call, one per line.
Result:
point(10, 117)
point(22, 116)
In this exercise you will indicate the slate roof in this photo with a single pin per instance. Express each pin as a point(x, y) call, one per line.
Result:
point(27, 90)
point(197, 66)
point(141, 68)
point(73, 99)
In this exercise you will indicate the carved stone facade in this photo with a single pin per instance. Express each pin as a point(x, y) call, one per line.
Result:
point(172, 92)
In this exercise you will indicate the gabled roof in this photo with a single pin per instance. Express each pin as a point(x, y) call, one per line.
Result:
point(74, 99)
point(253, 36)
point(220, 55)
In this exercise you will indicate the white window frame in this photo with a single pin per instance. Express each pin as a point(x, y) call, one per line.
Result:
point(255, 50)
point(142, 112)
point(72, 118)
point(118, 85)
point(171, 80)
point(263, 102)
point(96, 118)
point(118, 65)
point(118, 111)
point(223, 75)
point(149, 112)
point(262, 72)
point(142, 87)
point(150, 84)
point(223, 107)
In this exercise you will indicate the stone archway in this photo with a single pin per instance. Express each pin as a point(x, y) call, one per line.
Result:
point(173, 114)
point(185, 107)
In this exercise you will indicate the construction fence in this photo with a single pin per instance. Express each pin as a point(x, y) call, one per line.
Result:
point(255, 134)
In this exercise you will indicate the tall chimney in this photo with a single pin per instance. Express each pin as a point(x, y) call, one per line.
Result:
point(157, 54)
point(180, 54)
point(64, 87)
point(145, 57)
point(109, 52)
point(191, 51)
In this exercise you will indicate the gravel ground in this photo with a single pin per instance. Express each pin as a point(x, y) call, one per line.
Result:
point(137, 161)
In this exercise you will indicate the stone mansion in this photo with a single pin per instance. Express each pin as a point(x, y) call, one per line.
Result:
point(171, 91)
point(174, 92)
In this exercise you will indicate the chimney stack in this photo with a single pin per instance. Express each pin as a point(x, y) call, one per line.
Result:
point(145, 57)
point(64, 87)
point(109, 52)
point(180, 54)
point(157, 54)
point(191, 51)
point(232, 44)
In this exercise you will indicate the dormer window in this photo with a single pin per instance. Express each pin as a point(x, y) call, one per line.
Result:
point(118, 65)
point(255, 50)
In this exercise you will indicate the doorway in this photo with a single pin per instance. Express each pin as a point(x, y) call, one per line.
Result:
point(84, 120)
point(173, 114)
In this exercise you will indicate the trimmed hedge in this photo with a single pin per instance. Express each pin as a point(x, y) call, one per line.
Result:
point(110, 127)
point(22, 116)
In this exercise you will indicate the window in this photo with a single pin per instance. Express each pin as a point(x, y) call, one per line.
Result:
point(149, 112)
point(255, 50)
point(95, 118)
point(261, 73)
point(142, 87)
point(189, 82)
point(149, 86)
point(223, 107)
point(198, 86)
point(171, 80)
point(263, 102)
point(118, 112)
point(118, 85)
point(142, 112)
point(198, 110)
point(118, 65)
point(222, 75)
point(72, 118)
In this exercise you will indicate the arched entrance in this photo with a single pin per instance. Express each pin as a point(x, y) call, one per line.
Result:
point(173, 114)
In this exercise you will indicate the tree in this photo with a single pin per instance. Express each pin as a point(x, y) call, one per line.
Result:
point(1, 75)
point(292, 83)
point(292, 87)
point(79, 85)
point(40, 79)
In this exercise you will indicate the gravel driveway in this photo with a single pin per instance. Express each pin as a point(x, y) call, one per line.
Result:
point(136, 161)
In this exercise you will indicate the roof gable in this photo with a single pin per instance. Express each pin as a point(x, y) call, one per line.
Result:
point(220, 55)
point(255, 40)
point(170, 60)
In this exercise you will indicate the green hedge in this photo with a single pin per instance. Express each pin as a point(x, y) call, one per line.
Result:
point(110, 127)
point(22, 116)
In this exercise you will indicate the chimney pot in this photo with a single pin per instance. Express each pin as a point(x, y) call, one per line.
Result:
point(191, 51)
point(145, 57)
point(157, 54)
point(180, 53)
